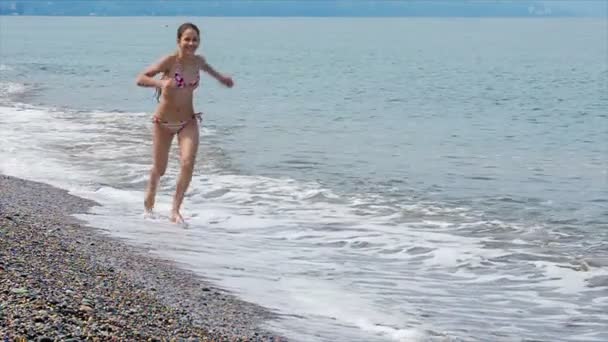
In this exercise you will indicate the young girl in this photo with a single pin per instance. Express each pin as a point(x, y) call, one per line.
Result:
point(175, 113)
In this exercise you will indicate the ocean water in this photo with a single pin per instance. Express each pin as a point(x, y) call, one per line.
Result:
point(368, 179)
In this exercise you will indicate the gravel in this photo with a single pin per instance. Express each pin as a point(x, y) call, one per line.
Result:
point(61, 280)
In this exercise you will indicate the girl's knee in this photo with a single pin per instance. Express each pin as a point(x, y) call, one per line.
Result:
point(158, 171)
point(187, 163)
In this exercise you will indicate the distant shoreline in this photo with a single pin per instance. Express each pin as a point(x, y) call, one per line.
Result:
point(308, 16)
point(314, 8)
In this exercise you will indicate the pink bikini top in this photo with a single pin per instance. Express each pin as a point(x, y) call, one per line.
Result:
point(180, 80)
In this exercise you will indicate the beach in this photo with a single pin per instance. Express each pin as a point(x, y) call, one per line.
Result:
point(62, 280)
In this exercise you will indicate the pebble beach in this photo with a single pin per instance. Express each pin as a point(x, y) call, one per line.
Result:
point(61, 280)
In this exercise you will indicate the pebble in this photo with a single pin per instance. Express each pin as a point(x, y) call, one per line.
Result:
point(71, 282)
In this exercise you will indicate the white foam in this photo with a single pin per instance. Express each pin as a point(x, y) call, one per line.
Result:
point(12, 88)
point(568, 279)
point(440, 224)
point(396, 334)
point(328, 299)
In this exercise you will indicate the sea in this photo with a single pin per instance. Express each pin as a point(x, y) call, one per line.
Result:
point(368, 179)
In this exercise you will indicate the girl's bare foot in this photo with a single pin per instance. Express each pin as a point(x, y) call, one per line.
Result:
point(149, 202)
point(176, 217)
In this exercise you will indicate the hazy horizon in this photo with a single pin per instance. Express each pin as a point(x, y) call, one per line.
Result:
point(310, 8)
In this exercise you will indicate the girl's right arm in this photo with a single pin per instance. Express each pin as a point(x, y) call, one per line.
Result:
point(146, 78)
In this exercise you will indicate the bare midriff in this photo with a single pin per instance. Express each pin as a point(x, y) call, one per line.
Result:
point(175, 104)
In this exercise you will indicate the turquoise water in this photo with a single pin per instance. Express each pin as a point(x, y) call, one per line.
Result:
point(425, 177)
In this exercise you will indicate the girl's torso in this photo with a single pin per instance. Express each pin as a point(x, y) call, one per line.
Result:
point(176, 103)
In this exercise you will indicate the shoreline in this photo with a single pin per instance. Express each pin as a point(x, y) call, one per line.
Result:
point(61, 279)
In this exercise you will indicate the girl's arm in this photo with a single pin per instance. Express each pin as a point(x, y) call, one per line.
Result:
point(227, 81)
point(146, 77)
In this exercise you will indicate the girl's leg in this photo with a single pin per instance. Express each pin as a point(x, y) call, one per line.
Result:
point(188, 139)
point(162, 139)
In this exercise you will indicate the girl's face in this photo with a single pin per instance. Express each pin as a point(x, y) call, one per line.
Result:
point(188, 42)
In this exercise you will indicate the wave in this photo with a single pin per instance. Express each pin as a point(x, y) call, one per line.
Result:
point(8, 89)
